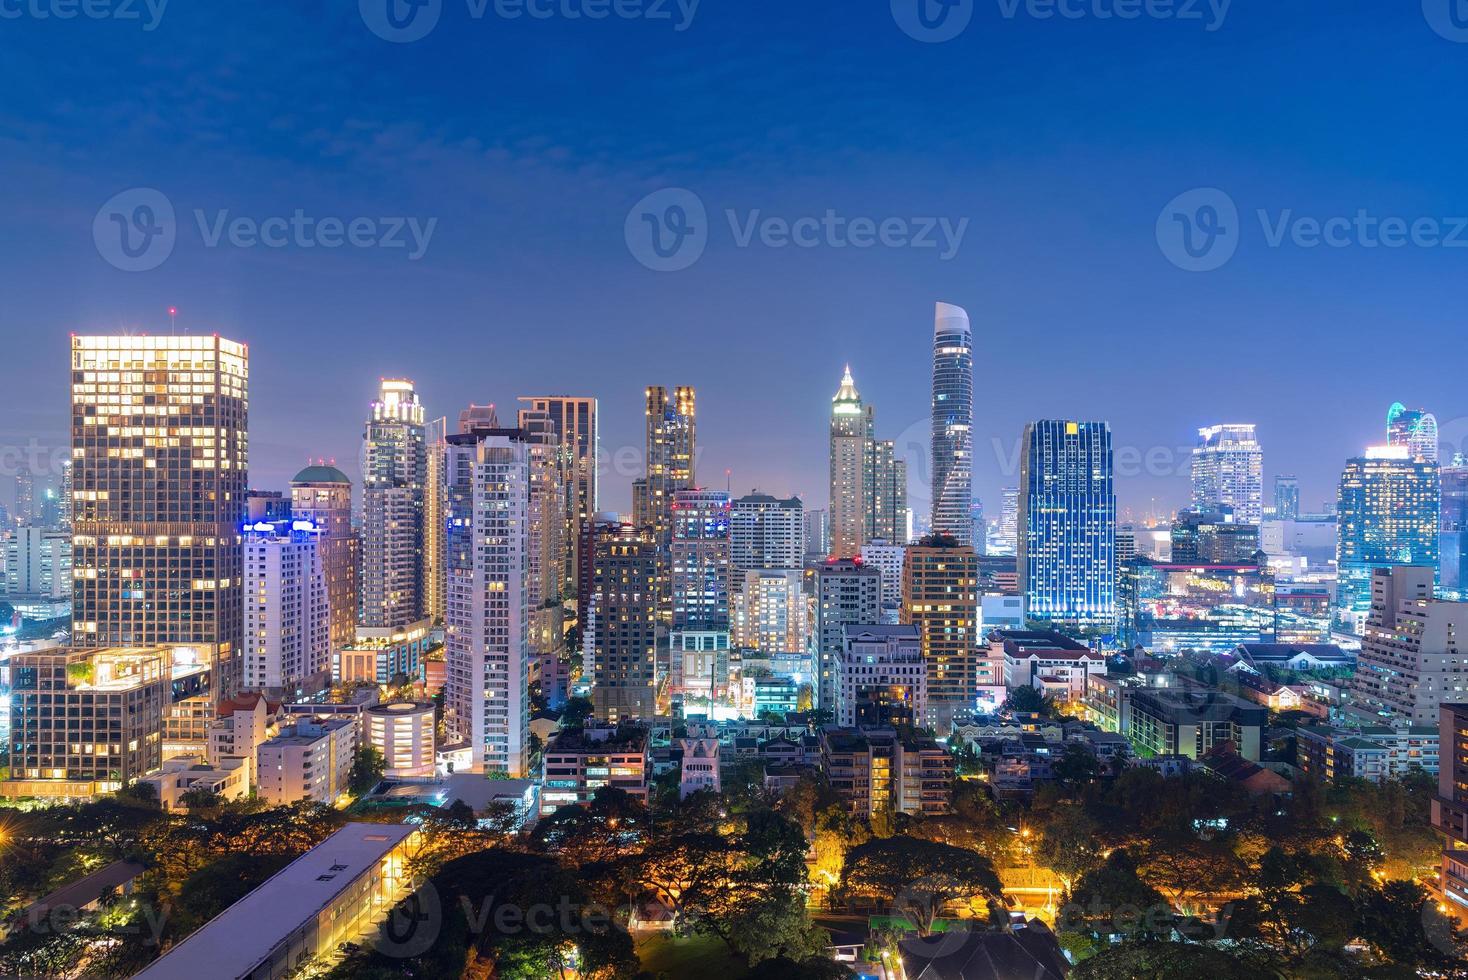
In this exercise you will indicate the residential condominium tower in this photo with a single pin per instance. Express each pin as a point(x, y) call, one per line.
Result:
point(620, 634)
point(322, 494)
point(575, 423)
point(395, 479)
point(940, 596)
point(1067, 525)
point(160, 469)
point(953, 419)
point(287, 610)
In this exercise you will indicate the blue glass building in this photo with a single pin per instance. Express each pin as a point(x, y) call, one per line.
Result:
point(1389, 504)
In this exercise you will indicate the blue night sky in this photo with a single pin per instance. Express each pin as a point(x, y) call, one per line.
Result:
point(1060, 141)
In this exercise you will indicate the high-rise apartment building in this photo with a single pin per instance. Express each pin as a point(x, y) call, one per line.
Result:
point(1286, 498)
point(550, 489)
point(817, 534)
point(1415, 428)
point(765, 532)
point(699, 583)
point(672, 441)
point(1228, 471)
point(322, 495)
point(848, 593)
point(37, 564)
point(848, 470)
point(619, 635)
point(287, 648)
point(940, 596)
point(884, 486)
point(770, 611)
point(953, 420)
point(27, 508)
point(888, 558)
point(160, 469)
point(1388, 507)
point(395, 480)
point(435, 528)
point(1008, 522)
point(1410, 662)
point(1067, 525)
point(487, 651)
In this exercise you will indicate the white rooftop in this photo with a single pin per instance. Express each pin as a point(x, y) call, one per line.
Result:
point(241, 937)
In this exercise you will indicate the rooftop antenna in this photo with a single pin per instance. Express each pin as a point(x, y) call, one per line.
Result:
point(729, 481)
point(173, 319)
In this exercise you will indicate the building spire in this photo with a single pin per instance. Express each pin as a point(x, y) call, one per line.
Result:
point(848, 392)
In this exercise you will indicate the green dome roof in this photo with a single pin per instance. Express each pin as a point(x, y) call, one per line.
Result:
point(321, 474)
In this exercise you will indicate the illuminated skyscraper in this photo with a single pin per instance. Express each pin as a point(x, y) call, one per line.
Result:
point(26, 510)
point(487, 650)
point(1415, 428)
point(550, 489)
point(1228, 471)
point(287, 648)
point(160, 455)
point(940, 596)
point(575, 423)
point(1389, 513)
point(699, 638)
point(1067, 525)
point(435, 531)
point(765, 532)
point(620, 634)
point(322, 494)
point(395, 469)
point(1008, 537)
point(849, 466)
point(672, 432)
point(848, 593)
point(953, 419)
point(884, 487)
point(1286, 498)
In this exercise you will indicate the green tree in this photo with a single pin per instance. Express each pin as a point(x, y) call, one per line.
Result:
point(368, 767)
point(1114, 899)
point(918, 877)
point(1069, 843)
point(1152, 960)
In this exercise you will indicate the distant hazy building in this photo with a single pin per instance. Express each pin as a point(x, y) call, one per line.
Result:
point(1213, 538)
point(322, 494)
point(575, 423)
point(1203, 607)
point(1388, 515)
point(26, 504)
point(848, 593)
point(1067, 536)
point(37, 564)
point(160, 562)
point(1286, 498)
point(888, 558)
point(1228, 471)
point(1414, 428)
point(940, 596)
point(817, 534)
point(287, 610)
point(953, 419)
point(395, 467)
point(486, 690)
point(1410, 662)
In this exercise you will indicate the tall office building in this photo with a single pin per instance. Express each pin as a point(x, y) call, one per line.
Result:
point(1067, 525)
point(619, 637)
point(699, 584)
point(940, 596)
point(884, 486)
point(672, 441)
point(1286, 498)
point(435, 529)
point(1410, 662)
point(322, 495)
point(848, 469)
point(953, 420)
point(487, 652)
point(1213, 539)
point(287, 649)
point(765, 532)
point(66, 495)
point(37, 564)
point(1389, 507)
point(848, 593)
point(550, 489)
point(1228, 471)
point(575, 423)
point(1008, 537)
point(1453, 538)
point(395, 480)
point(160, 456)
point(1415, 428)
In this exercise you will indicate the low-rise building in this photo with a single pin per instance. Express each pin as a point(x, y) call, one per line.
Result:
point(877, 770)
point(881, 677)
point(332, 894)
point(1375, 752)
point(578, 762)
point(1295, 656)
point(308, 760)
point(182, 775)
point(1191, 722)
point(1048, 661)
point(403, 732)
point(699, 762)
point(244, 723)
